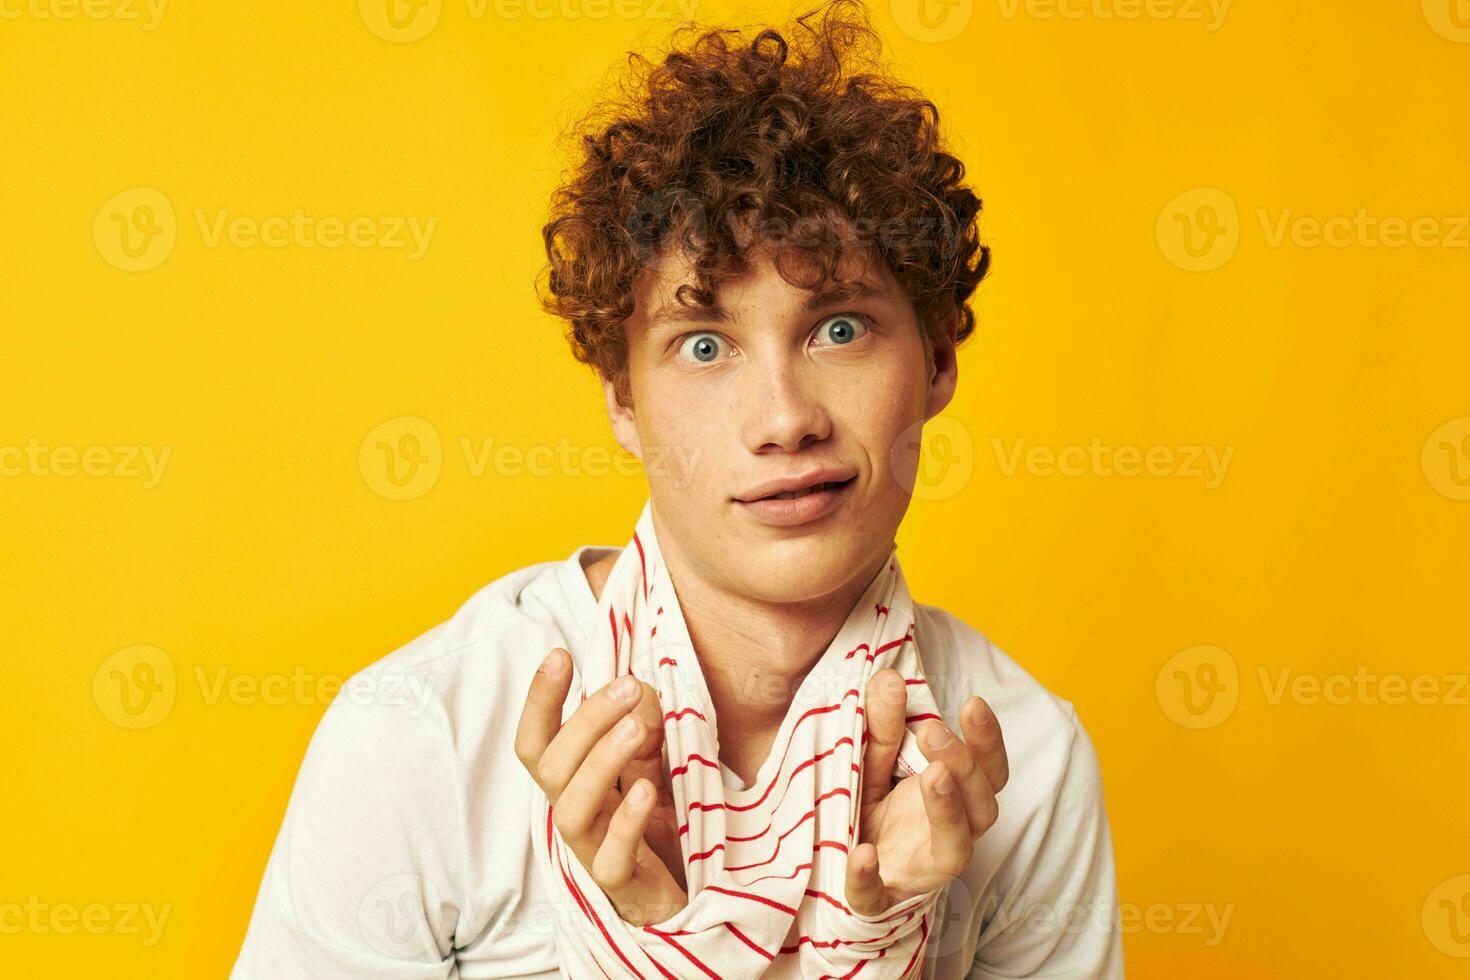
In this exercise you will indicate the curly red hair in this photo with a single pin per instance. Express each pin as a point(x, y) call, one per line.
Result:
point(789, 137)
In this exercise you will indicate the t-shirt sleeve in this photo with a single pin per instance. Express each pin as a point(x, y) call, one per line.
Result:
point(1062, 919)
point(362, 880)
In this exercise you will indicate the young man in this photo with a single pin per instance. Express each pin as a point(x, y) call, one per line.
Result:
point(802, 772)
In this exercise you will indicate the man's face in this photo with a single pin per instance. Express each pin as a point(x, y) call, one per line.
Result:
point(779, 383)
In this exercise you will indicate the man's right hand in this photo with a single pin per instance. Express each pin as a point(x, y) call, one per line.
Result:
point(603, 773)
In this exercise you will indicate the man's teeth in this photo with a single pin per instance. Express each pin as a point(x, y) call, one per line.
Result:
point(793, 494)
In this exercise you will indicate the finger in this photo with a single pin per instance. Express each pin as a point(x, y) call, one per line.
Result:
point(541, 715)
point(583, 811)
point(616, 858)
point(940, 744)
point(884, 703)
point(950, 844)
point(987, 744)
point(648, 761)
point(592, 720)
point(864, 882)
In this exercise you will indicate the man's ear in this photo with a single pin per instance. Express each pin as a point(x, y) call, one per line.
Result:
point(621, 418)
point(943, 368)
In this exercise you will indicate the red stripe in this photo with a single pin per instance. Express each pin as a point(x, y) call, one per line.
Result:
point(697, 805)
point(747, 941)
point(676, 715)
point(693, 757)
point(923, 939)
point(787, 877)
point(687, 955)
point(752, 897)
point(642, 565)
point(891, 644)
point(776, 852)
point(814, 893)
point(612, 620)
point(805, 715)
point(586, 907)
point(839, 791)
point(833, 943)
point(885, 647)
point(854, 971)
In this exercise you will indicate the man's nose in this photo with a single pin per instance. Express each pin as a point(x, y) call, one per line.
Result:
point(783, 404)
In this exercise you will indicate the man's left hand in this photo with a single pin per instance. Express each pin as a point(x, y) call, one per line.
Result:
point(919, 834)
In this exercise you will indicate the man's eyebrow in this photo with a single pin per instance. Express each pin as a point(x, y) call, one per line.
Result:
point(831, 296)
point(677, 312)
point(845, 292)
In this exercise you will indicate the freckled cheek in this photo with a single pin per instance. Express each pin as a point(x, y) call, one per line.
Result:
point(683, 445)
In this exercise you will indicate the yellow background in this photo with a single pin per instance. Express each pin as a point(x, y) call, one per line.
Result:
point(1335, 543)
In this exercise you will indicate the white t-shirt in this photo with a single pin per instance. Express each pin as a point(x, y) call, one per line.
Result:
point(406, 851)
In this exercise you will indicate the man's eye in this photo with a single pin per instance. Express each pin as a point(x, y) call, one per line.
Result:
point(843, 328)
point(701, 348)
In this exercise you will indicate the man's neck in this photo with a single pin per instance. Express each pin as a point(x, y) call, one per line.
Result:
point(754, 655)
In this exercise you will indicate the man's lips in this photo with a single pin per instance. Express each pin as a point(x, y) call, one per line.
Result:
point(798, 486)
point(792, 508)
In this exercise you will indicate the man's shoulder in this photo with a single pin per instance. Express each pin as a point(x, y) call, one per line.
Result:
point(961, 660)
point(410, 777)
point(466, 671)
point(1044, 738)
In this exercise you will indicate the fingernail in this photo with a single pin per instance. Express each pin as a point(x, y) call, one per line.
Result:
point(639, 794)
point(551, 666)
point(624, 688)
point(626, 728)
point(937, 738)
point(944, 784)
